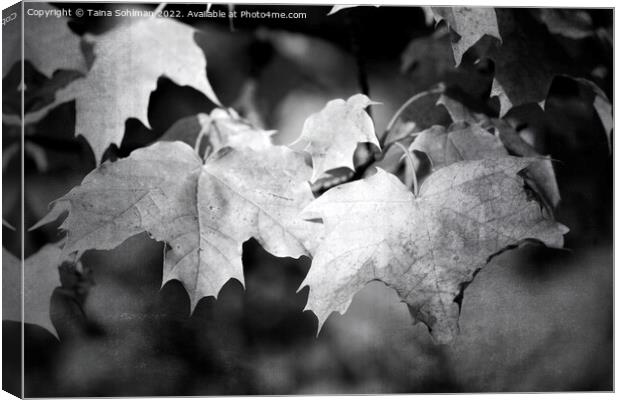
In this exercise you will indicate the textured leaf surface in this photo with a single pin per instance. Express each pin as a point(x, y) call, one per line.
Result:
point(204, 212)
point(41, 277)
point(331, 135)
point(128, 61)
point(426, 248)
point(445, 147)
point(471, 142)
point(470, 23)
point(49, 44)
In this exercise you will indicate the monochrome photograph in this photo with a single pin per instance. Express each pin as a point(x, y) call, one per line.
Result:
point(226, 199)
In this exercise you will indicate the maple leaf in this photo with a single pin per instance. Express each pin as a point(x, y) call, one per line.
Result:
point(331, 135)
point(525, 63)
point(41, 277)
point(128, 61)
point(203, 211)
point(426, 248)
point(525, 55)
point(474, 142)
point(49, 44)
point(470, 23)
point(221, 128)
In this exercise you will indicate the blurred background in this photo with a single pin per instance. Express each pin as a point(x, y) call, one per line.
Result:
point(534, 319)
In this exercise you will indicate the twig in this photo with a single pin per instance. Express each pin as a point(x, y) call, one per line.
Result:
point(367, 157)
point(356, 48)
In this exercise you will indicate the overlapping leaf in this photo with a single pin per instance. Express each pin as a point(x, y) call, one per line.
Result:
point(528, 60)
point(472, 142)
point(525, 55)
point(331, 135)
point(203, 211)
point(520, 76)
point(426, 248)
point(470, 24)
point(540, 175)
point(41, 277)
point(221, 128)
point(445, 147)
point(525, 63)
point(128, 61)
point(49, 44)
point(601, 105)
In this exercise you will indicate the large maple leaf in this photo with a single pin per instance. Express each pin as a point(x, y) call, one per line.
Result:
point(128, 61)
point(426, 248)
point(332, 135)
point(204, 211)
point(41, 277)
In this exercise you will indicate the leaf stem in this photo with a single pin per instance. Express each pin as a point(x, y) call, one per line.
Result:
point(201, 134)
point(439, 89)
point(231, 9)
point(407, 155)
point(159, 8)
point(354, 29)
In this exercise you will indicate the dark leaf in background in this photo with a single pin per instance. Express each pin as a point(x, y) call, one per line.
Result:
point(49, 44)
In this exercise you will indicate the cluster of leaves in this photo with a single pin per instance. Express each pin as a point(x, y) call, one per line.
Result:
point(436, 199)
point(525, 56)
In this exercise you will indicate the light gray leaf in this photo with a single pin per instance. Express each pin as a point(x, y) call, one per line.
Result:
point(204, 212)
point(331, 135)
point(128, 61)
point(425, 248)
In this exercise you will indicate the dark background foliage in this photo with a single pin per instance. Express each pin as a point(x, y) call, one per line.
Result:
point(534, 320)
